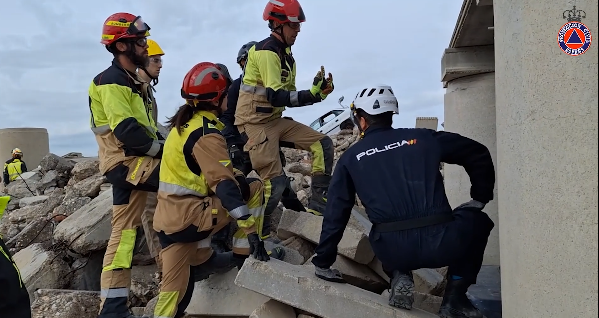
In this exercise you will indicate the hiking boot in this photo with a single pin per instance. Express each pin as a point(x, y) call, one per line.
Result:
point(455, 303)
point(218, 263)
point(402, 290)
point(318, 199)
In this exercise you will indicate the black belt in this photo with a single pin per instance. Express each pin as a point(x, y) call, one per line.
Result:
point(413, 223)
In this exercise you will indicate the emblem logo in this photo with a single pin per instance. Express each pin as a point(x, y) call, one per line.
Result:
point(574, 38)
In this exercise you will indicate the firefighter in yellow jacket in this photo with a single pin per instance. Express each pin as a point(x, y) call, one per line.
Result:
point(14, 167)
point(14, 299)
point(129, 150)
point(267, 87)
point(200, 193)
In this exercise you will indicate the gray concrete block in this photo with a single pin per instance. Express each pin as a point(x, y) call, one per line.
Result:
point(354, 244)
point(218, 296)
point(298, 287)
point(429, 281)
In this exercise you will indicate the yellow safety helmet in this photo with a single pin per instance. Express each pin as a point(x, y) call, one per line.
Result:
point(154, 48)
point(17, 152)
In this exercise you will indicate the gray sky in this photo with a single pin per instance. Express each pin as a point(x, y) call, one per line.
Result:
point(50, 52)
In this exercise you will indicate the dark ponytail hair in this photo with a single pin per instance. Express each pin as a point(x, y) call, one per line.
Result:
point(185, 113)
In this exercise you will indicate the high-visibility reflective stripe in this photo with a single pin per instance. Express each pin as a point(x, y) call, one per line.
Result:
point(167, 304)
point(14, 265)
point(101, 129)
point(178, 190)
point(294, 98)
point(154, 149)
point(205, 243)
point(114, 292)
point(124, 252)
point(239, 211)
point(258, 90)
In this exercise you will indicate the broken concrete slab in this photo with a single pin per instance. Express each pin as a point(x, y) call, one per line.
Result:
point(298, 287)
point(51, 303)
point(429, 281)
point(273, 309)
point(219, 296)
point(354, 244)
point(359, 275)
point(377, 267)
point(40, 268)
point(89, 227)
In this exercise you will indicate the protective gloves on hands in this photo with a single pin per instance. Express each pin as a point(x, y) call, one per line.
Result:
point(257, 249)
point(320, 86)
point(472, 204)
point(329, 274)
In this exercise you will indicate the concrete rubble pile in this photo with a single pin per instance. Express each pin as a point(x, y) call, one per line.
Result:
point(58, 224)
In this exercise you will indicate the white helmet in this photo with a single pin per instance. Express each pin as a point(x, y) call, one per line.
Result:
point(376, 100)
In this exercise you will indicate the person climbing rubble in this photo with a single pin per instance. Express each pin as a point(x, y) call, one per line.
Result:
point(241, 159)
point(150, 73)
point(14, 302)
point(267, 87)
point(395, 173)
point(129, 150)
point(200, 193)
point(14, 167)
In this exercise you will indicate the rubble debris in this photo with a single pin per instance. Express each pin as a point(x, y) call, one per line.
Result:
point(359, 275)
point(87, 229)
point(354, 244)
point(40, 268)
point(56, 303)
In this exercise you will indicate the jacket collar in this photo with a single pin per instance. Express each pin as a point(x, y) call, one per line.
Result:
point(134, 76)
point(212, 118)
point(371, 130)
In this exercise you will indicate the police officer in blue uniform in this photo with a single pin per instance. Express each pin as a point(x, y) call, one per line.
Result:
point(395, 172)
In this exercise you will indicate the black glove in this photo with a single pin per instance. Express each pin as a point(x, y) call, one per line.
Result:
point(236, 153)
point(244, 187)
point(329, 274)
point(257, 249)
point(472, 204)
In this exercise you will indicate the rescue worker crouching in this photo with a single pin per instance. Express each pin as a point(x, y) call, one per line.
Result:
point(129, 150)
point(14, 302)
point(200, 193)
point(402, 190)
point(267, 87)
point(150, 73)
point(14, 167)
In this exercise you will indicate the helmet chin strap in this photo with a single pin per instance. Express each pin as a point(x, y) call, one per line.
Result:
point(354, 117)
point(278, 31)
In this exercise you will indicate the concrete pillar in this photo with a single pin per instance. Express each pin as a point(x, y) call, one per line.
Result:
point(470, 111)
point(547, 153)
point(427, 122)
point(32, 141)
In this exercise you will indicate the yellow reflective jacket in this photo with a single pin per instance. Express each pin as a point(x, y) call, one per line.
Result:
point(197, 165)
point(268, 84)
point(121, 117)
point(13, 168)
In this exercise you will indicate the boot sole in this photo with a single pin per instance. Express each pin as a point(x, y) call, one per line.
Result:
point(402, 295)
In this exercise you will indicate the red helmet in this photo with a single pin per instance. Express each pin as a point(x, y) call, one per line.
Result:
point(284, 11)
point(204, 82)
point(121, 26)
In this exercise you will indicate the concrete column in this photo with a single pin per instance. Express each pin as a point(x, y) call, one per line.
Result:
point(547, 153)
point(470, 111)
point(32, 141)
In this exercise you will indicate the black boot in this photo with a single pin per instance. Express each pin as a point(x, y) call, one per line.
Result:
point(290, 200)
point(218, 263)
point(455, 302)
point(219, 241)
point(402, 290)
point(318, 200)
